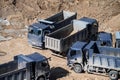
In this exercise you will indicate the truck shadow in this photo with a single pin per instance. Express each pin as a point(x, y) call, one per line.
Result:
point(58, 72)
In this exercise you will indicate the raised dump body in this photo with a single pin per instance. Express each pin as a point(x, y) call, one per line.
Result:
point(37, 31)
point(62, 39)
point(29, 67)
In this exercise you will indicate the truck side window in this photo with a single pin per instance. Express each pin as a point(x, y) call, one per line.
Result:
point(72, 53)
point(30, 31)
point(39, 32)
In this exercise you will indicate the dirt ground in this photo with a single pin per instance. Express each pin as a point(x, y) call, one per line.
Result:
point(21, 13)
point(59, 69)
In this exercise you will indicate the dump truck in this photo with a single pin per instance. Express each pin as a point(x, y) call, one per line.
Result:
point(79, 30)
point(81, 59)
point(104, 39)
point(37, 31)
point(117, 37)
point(26, 67)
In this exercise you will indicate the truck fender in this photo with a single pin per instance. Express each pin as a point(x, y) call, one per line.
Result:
point(78, 63)
point(78, 68)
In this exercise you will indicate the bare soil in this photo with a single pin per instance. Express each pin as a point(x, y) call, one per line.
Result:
point(59, 69)
point(21, 13)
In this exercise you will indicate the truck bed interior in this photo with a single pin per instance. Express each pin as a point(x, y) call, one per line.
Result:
point(60, 16)
point(61, 33)
point(67, 30)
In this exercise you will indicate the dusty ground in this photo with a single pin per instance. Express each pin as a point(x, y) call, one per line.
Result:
point(25, 12)
point(21, 13)
point(59, 69)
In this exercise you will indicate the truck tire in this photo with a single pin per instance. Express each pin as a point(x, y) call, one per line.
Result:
point(113, 75)
point(41, 78)
point(77, 68)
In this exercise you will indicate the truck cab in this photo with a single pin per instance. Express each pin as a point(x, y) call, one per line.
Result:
point(37, 31)
point(75, 57)
point(104, 39)
point(117, 36)
point(79, 55)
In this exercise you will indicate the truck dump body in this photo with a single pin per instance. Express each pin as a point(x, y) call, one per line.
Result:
point(60, 16)
point(63, 38)
point(23, 68)
point(7, 67)
point(37, 31)
point(106, 50)
point(60, 19)
point(109, 51)
point(99, 60)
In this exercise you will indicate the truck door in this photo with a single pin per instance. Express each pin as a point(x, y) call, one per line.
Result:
point(75, 56)
point(38, 37)
point(31, 71)
point(42, 69)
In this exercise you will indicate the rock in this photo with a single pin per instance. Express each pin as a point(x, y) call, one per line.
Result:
point(4, 22)
point(2, 38)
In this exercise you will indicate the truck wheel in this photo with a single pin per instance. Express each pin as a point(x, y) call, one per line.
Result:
point(41, 78)
point(77, 68)
point(113, 75)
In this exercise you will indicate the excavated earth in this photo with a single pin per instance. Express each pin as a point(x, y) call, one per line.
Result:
point(21, 13)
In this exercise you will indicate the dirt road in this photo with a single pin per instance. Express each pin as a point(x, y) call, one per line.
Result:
point(59, 69)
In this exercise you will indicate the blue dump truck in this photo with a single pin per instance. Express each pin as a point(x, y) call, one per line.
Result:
point(117, 37)
point(60, 40)
point(88, 57)
point(37, 31)
point(104, 39)
point(26, 67)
